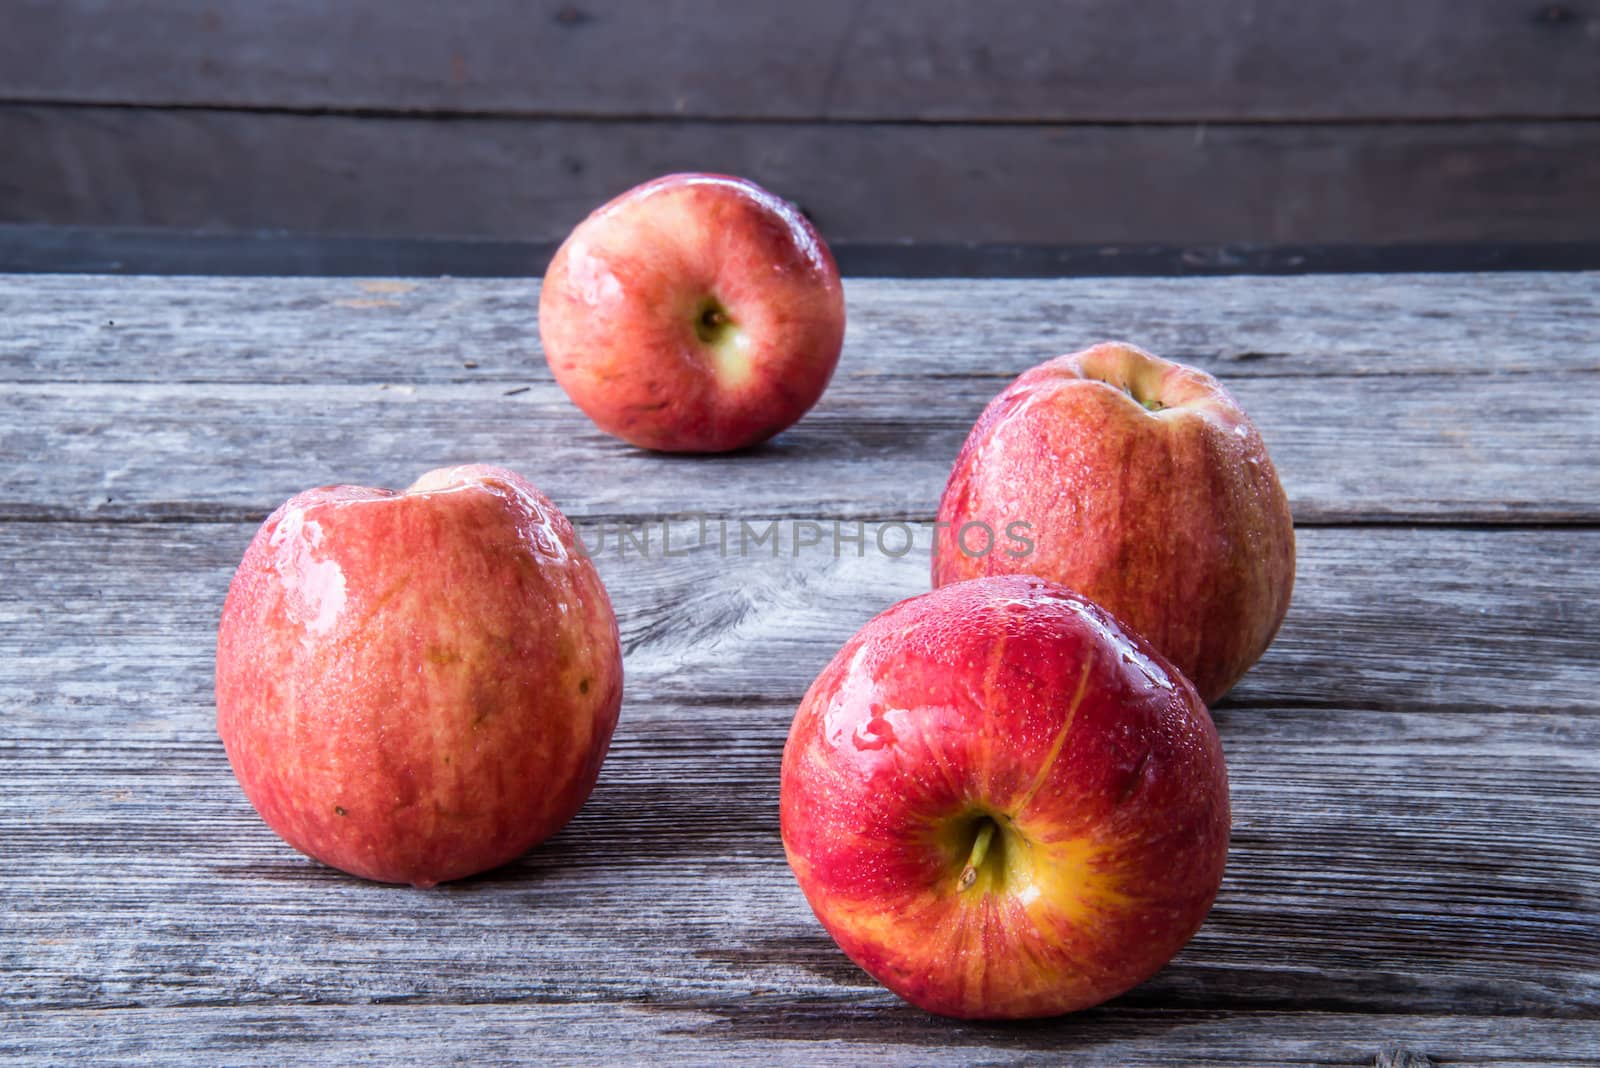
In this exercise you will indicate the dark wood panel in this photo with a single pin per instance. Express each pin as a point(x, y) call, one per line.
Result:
point(1084, 60)
point(533, 180)
point(37, 249)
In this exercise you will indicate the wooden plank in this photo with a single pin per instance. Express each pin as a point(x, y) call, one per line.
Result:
point(36, 249)
point(771, 1029)
point(1422, 861)
point(1495, 619)
point(425, 330)
point(533, 179)
point(1035, 60)
point(876, 447)
point(1381, 862)
point(141, 393)
point(1415, 765)
point(1400, 844)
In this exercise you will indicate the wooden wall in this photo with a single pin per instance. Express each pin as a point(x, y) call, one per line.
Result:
point(945, 121)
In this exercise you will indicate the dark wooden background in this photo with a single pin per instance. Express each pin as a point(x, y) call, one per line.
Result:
point(942, 121)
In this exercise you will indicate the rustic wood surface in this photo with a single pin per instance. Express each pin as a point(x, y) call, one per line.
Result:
point(1036, 121)
point(1415, 764)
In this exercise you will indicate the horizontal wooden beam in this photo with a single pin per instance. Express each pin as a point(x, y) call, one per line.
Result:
point(275, 254)
point(533, 180)
point(1030, 61)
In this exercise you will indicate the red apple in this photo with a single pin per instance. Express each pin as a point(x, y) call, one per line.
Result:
point(1002, 804)
point(694, 313)
point(1141, 484)
point(414, 687)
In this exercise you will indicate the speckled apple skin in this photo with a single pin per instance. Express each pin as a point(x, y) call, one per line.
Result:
point(618, 306)
point(1015, 698)
point(417, 687)
point(1174, 520)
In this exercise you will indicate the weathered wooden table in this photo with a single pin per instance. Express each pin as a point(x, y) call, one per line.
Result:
point(1415, 763)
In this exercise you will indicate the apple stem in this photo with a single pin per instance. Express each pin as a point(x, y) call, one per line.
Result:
point(980, 849)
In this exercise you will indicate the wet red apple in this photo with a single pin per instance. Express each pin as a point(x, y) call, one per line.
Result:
point(414, 687)
point(694, 313)
point(1143, 485)
point(1001, 803)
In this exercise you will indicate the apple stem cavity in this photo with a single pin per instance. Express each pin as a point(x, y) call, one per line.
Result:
point(1149, 403)
point(711, 323)
point(980, 850)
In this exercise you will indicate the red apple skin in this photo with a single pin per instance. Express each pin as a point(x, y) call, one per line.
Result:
point(620, 314)
point(1016, 699)
point(1173, 519)
point(417, 687)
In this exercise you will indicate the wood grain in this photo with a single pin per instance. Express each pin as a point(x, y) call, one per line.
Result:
point(534, 179)
point(370, 331)
point(830, 59)
point(777, 1030)
point(1415, 764)
point(1495, 606)
point(1358, 430)
point(1388, 856)
point(138, 452)
point(1393, 815)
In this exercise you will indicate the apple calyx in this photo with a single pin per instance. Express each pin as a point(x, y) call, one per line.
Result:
point(712, 324)
point(728, 347)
